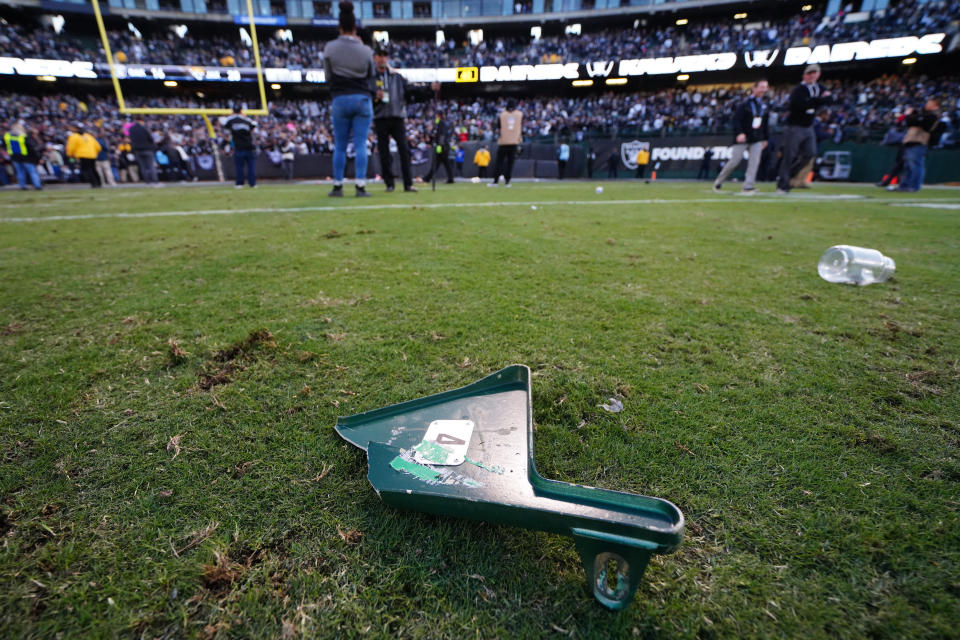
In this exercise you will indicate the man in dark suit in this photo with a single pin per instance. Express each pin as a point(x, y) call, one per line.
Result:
point(799, 141)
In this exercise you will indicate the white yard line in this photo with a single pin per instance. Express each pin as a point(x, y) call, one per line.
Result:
point(411, 205)
point(927, 205)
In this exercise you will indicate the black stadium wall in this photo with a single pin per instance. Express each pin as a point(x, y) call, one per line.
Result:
point(677, 158)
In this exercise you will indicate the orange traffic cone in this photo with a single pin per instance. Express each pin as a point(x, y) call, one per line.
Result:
point(653, 175)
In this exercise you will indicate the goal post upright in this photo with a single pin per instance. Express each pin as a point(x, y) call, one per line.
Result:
point(198, 111)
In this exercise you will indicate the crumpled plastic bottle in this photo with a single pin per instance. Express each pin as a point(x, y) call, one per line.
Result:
point(855, 265)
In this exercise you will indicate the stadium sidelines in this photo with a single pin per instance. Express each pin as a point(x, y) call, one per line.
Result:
point(460, 205)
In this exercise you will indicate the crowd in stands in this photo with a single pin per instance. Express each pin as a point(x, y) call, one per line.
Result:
point(907, 17)
point(862, 108)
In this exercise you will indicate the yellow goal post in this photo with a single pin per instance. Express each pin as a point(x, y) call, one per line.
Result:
point(199, 111)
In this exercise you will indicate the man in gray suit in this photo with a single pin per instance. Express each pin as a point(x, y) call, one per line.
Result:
point(751, 133)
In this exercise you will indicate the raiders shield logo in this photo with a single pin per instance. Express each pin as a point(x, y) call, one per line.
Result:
point(629, 151)
point(205, 162)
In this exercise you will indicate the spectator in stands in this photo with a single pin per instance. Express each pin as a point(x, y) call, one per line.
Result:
point(52, 161)
point(924, 129)
point(349, 68)
point(22, 150)
point(652, 40)
point(84, 148)
point(179, 160)
point(751, 128)
point(141, 141)
point(244, 151)
point(510, 125)
point(163, 164)
point(389, 119)
point(799, 142)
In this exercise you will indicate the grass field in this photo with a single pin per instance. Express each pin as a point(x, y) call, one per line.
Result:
point(172, 363)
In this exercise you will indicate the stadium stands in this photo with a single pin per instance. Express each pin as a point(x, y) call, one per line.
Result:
point(662, 38)
point(866, 110)
point(868, 103)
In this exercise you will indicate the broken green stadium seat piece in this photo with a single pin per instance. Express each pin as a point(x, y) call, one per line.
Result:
point(468, 453)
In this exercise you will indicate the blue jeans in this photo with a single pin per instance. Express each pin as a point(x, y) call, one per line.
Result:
point(245, 162)
point(25, 170)
point(354, 112)
point(914, 162)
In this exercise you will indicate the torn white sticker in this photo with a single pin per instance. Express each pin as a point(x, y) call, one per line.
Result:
point(445, 443)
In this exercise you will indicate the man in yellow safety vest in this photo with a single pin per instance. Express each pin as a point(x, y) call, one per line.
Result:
point(84, 147)
point(23, 153)
point(482, 159)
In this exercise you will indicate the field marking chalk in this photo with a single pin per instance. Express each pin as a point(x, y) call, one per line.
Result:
point(927, 205)
point(375, 207)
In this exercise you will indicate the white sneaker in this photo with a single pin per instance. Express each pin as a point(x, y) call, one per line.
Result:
point(508, 185)
point(492, 184)
point(781, 192)
point(747, 192)
point(717, 188)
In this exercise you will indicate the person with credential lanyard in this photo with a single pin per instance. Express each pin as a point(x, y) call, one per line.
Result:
point(510, 124)
point(348, 65)
point(440, 139)
point(389, 119)
point(799, 141)
point(751, 133)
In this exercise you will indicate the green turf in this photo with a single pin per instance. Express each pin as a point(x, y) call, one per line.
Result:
point(169, 385)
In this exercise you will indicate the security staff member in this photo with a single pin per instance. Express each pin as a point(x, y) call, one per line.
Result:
point(482, 159)
point(23, 154)
point(799, 142)
point(643, 159)
point(441, 148)
point(84, 148)
point(751, 133)
point(244, 155)
point(389, 113)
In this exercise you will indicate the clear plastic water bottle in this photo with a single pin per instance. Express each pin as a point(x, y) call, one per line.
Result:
point(855, 265)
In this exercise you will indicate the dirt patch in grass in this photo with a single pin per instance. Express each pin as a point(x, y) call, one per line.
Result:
point(245, 346)
point(233, 359)
point(875, 441)
point(219, 376)
point(175, 354)
point(221, 575)
point(6, 524)
point(10, 329)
